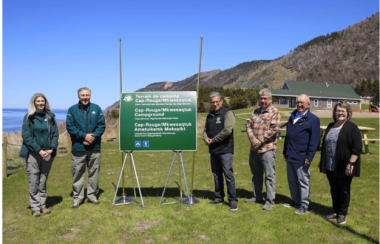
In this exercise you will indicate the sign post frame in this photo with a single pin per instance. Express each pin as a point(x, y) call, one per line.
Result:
point(181, 201)
point(124, 199)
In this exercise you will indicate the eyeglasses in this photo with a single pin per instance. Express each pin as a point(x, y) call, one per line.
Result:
point(264, 98)
point(340, 111)
point(215, 102)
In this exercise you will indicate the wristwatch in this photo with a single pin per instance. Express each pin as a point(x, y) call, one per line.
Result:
point(352, 163)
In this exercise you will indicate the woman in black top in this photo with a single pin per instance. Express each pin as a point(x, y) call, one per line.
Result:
point(340, 159)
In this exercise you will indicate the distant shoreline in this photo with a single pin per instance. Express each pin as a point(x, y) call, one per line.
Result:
point(12, 118)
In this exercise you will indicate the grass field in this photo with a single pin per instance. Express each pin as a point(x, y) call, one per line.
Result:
point(202, 223)
point(365, 107)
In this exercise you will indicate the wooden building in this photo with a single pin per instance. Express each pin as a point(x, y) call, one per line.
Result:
point(323, 96)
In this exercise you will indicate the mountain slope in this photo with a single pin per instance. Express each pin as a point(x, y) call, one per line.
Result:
point(344, 57)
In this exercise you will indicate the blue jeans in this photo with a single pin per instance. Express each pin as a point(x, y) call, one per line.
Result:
point(298, 180)
point(222, 163)
point(261, 163)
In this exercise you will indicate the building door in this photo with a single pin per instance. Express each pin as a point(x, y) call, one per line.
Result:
point(292, 102)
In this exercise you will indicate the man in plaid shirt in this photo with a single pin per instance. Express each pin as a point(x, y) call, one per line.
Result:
point(262, 131)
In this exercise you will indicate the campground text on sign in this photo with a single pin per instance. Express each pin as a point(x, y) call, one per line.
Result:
point(158, 121)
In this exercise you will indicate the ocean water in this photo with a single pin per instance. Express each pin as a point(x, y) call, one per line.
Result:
point(12, 117)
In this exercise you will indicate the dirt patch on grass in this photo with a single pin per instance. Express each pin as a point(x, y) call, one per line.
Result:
point(150, 240)
point(337, 239)
point(127, 236)
point(110, 172)
point(176, 213)
point(203, 237)
point(165, 238)
point(117, 214)
point(12, 218)
point(85, 222)
point(143, 226)
point(71, 235)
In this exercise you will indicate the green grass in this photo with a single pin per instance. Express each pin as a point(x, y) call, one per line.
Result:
point(202, 223)
point(365, 107)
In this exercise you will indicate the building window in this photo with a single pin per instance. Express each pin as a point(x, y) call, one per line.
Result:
point(329, 103)
point(282, 100)
point(352, 102)
point(315, 103)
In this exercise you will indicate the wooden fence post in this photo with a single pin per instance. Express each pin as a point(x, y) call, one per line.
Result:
point(68, 143)
point(104, 137)
point(5, 174)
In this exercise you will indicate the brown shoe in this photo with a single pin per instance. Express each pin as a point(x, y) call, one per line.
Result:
point(216, 202)
point(45, 211)
point(36, 213)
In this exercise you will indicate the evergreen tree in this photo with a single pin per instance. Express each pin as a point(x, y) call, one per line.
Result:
point(201, 107)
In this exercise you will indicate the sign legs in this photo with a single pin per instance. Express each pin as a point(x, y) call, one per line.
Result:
point(124, 199)
point(191, 199)
point(181, 201)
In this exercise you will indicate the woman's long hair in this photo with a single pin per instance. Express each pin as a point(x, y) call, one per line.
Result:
point(32, 106)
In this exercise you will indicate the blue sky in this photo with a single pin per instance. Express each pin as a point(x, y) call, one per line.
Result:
point(55, 47)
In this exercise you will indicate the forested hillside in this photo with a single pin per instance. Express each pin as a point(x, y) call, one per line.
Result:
point(348, 56)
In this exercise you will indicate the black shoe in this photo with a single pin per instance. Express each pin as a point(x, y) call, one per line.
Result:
point(341, 219)
point(75, 205)
point(301, 211)
point(93, 201)
point(331, 216)
point(234, 206)
point(216, 202)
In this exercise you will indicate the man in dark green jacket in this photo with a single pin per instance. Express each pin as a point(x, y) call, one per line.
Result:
point(85, 124)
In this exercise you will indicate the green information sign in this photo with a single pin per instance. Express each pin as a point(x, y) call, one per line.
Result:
point(158, 121)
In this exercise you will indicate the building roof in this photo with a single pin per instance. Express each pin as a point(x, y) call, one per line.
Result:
point(316, 89)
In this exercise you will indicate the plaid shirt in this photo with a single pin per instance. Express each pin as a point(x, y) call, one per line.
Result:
point(264, 126)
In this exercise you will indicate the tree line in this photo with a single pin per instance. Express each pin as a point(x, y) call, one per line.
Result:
point(368, 88)
point(239, 98)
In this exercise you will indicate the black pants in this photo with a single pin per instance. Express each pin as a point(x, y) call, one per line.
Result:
point(340, 187)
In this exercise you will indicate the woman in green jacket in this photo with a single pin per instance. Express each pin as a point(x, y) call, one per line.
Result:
point(39, 146)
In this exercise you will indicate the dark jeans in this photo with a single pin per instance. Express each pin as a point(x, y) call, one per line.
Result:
point(222, 163)
point(340, 192)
